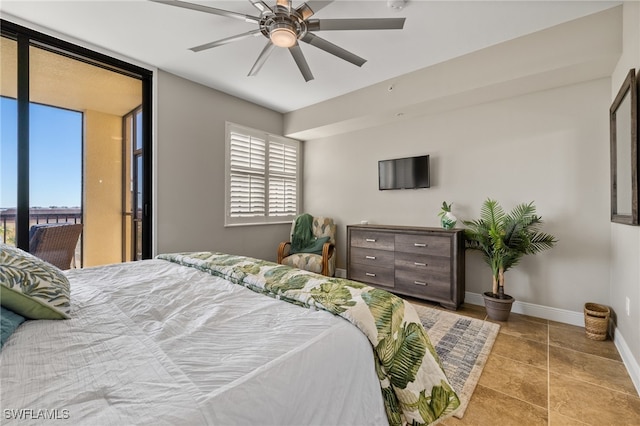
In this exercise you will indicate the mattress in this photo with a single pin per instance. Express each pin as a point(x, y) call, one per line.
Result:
point(154, 342)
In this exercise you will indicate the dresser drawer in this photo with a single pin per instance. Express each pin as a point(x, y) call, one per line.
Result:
point(423, 244)
point(372, 274)
point(382, 258)
point(372, 239)
point(426, 286)
point(423, 264)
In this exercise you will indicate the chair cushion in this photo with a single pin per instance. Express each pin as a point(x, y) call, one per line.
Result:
point(31, 287)
point(307, 261)
point(310, 262)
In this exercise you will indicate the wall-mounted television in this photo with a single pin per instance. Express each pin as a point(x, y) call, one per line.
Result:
point(404, 173)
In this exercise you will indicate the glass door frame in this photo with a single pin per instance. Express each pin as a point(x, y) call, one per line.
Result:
point(132, 178)
point(26, 37)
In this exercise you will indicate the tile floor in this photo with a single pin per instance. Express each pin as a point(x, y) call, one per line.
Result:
point(543, 372)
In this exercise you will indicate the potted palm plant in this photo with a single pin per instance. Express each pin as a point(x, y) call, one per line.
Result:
point(504, 239)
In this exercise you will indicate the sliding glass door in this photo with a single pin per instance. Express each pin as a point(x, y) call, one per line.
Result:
point(63, 145)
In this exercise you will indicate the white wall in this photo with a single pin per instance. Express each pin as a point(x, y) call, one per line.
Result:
point(625, 239)
point(550, 147)
point(190, 170)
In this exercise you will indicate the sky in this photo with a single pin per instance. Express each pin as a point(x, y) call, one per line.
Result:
point(55, 155)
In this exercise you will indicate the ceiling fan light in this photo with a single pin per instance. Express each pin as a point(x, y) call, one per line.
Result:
point(283, 36)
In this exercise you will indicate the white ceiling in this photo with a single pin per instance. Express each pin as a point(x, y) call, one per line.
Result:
point(160, 36)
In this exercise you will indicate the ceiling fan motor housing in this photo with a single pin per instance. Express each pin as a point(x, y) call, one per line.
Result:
point(283, 19)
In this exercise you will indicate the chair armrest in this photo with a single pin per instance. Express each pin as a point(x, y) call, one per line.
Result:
point(328, 249)
point(283, 251)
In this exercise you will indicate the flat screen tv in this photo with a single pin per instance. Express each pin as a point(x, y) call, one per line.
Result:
point(404, 173)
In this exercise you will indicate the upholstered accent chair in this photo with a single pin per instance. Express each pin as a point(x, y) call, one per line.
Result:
point(55, 242)
point(324, 263)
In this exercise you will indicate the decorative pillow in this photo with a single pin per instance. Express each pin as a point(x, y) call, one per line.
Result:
point(32, 287)
point(9, 321)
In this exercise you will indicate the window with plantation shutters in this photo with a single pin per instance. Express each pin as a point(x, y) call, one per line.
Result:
point(262, 177)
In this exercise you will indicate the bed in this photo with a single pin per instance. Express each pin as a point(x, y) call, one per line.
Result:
point(195, 339)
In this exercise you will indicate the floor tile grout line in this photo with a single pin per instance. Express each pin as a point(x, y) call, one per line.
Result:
point(565, 348)
point(523, 338)
point(618, 391)
point(512, 396)
point(521, 362)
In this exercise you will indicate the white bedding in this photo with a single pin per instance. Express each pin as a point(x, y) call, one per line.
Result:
point(154, 342)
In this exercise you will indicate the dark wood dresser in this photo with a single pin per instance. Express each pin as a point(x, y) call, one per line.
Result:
point(425, 263)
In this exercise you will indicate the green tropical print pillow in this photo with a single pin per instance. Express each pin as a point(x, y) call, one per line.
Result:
point(31, 287)
point(414, 387)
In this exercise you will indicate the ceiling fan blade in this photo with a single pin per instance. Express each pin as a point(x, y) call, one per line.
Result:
point(226, 40)
point(207, 9)
point(329, 47)
point(284, 3)
point(261, 6)
point(296, 52)
point(264, 55)
point(356, 24)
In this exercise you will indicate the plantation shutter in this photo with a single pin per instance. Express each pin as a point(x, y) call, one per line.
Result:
point(263, 177)
point(283, 168)
point(247, 176)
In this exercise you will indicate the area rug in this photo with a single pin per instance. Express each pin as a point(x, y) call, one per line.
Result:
point(463, 345)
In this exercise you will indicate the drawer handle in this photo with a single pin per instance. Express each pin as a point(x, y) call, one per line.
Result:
point(419, 245)
point(370, 257)
point(419, 264)
point(370, 240)
point(419, 283)
point(369, 274)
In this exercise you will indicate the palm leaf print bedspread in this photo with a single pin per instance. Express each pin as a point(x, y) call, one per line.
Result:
point(414, 387)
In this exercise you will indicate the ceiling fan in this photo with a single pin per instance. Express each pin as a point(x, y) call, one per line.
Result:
point(284, 26)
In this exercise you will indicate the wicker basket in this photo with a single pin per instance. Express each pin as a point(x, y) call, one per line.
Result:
point(596, 321)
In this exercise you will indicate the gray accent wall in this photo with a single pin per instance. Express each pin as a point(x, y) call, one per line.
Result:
point(190, 170)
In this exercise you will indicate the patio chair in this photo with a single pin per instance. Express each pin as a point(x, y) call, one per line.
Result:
point(55, 242)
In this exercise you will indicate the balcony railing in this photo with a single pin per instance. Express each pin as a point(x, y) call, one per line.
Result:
point(36, 216)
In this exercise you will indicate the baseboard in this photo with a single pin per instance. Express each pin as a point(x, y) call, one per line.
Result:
point(628, 359)
point(539, 311)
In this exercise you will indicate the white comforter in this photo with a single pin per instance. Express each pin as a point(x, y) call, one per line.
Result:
point(154, 342)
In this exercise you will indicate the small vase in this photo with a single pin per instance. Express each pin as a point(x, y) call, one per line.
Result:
point(448, 221)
